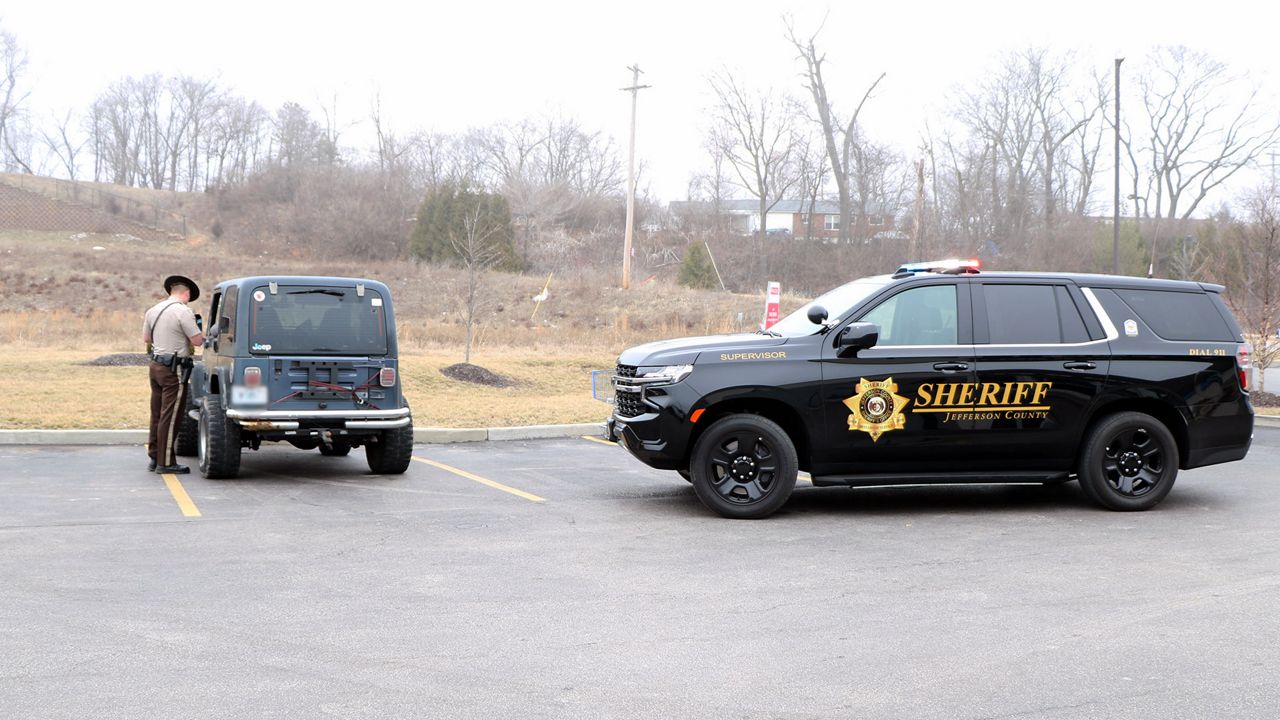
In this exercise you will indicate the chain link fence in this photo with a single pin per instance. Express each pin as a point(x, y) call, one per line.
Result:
point(41, 203)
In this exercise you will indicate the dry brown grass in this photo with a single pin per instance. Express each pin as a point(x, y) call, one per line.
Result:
point(53, 389)
point(63, 303)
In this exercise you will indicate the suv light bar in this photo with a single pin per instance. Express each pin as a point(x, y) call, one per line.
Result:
point(952, 266)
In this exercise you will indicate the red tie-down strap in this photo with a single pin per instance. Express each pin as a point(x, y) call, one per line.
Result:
point(330, 386)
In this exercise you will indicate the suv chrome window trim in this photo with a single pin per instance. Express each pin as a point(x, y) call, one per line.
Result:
point(1108, 327)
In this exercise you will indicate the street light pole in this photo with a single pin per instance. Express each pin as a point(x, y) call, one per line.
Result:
point(635, 89)
point(1115, 225)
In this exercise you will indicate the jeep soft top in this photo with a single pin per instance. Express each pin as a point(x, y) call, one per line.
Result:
point(941, 373)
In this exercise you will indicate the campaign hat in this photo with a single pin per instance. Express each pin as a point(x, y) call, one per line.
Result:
point(172, 280)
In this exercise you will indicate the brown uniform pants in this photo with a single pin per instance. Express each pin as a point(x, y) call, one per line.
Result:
point(168, 403)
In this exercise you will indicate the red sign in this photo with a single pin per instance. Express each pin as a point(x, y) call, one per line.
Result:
point(772, 304)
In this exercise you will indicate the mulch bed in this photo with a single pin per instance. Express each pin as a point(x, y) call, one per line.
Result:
point(1264, 399)
point(467, 372)
point(120, 360)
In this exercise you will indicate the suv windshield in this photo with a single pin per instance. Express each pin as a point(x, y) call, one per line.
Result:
point(838, 302)
point(317, 320)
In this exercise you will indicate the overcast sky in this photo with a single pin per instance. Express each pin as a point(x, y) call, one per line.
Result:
point(450, 66)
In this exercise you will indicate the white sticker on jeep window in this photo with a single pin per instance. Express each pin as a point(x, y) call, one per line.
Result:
point(261, 347)
point(377, 302)
point(259, 296)
point(1131, 328)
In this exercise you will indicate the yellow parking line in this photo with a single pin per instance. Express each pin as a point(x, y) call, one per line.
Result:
point(598, 440)
point(483, 481)
point(180, 496)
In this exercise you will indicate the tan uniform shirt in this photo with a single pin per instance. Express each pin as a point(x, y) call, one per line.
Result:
point(173, 331)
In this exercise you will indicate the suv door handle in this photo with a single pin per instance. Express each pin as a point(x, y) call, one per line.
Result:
point(1080, 365)
point(951, 366)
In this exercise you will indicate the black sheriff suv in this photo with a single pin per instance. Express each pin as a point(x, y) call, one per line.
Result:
point(940, 373)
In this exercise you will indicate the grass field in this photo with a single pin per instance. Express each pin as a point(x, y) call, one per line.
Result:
point(54, 389)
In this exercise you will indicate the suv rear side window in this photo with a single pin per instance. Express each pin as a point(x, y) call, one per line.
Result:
point(1032, 315)
point(919, 316)
point(1187, 316)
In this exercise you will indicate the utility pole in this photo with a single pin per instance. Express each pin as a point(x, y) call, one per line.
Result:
point(635, 89)
point(1115, 221)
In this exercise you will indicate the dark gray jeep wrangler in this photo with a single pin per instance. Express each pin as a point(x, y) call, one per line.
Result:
point(307, 360)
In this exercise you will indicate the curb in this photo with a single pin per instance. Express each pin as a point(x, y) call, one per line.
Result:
point(1267, 421)
point(421, 435)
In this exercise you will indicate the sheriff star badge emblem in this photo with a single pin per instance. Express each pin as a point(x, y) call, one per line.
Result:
point(877, 408)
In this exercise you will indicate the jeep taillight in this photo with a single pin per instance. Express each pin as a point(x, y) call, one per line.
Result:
point(1243, 365)
point(252, 376)
point(387, 377)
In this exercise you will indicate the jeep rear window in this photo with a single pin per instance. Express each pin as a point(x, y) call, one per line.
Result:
point(1178, 315)
point(317, 320)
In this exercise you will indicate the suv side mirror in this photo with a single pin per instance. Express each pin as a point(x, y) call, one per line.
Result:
point(859, 336)
point(817, 314)
point(224, 323)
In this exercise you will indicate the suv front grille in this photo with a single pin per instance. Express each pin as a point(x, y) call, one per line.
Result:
point(627, 403)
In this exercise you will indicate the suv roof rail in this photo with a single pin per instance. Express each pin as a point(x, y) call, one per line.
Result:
point(951, 266)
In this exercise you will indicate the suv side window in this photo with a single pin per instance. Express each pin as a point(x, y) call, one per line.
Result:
point(918, 316)
point(229, 312)
point(1179, 315)
point(1032, 315)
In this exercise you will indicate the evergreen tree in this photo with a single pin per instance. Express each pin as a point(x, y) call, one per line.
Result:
point(443, 221)
point(696, 271)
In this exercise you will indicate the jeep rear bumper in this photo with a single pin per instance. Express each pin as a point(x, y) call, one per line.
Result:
point(294, 419)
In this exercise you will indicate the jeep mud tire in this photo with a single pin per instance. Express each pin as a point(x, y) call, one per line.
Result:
point(744, 467)
point(219, 440)
point(391, 452)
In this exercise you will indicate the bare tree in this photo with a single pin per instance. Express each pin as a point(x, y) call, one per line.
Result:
point(759, 141)
point(1250, 259)
point(63, 146)
point(812, 169)
point(1058, 121)
point(13, 64)
point(839, 134)
point(477, 251)
point(1194, 135)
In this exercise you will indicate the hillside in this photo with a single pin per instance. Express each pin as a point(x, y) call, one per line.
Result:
point(59, 287)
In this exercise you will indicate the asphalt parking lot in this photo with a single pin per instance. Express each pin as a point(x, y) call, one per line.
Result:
point(563, 579)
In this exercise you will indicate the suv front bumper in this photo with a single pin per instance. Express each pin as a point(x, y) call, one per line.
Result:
point(348, 419)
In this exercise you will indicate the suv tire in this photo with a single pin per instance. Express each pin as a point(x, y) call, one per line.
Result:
point(1129, 461)
point(219, 440)
point(391, 452)
point(187, 442)
point(338, 448)
point(744, 467)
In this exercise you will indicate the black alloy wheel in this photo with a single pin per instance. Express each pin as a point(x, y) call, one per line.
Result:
point(744, 466)
point(1130, 462)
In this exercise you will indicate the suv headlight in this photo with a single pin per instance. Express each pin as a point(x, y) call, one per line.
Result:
point(668, 374)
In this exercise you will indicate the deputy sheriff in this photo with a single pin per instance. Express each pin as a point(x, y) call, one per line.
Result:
point(171, 333)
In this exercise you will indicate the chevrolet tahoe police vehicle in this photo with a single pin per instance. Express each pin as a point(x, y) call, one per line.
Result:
point(311, 361)
point(941, 373)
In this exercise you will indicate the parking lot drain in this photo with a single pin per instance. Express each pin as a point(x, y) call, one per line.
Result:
point(483, 481)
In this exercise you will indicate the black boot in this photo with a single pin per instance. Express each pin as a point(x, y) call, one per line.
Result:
point(174, 469)
point(151, 465)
